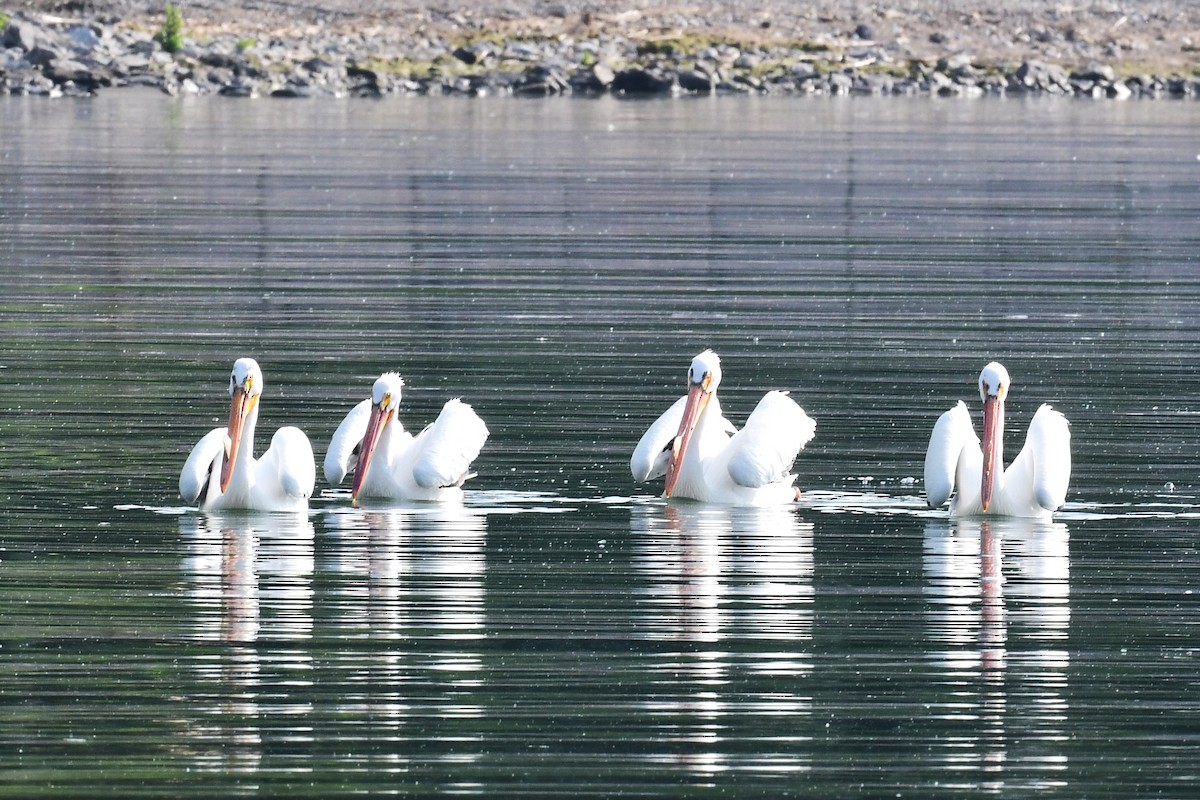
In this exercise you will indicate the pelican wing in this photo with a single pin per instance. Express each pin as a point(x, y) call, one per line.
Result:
point(763, 451)
point(345, 442)
point(293, 459)
point(446, 448)
point(1048, 443)
point(952, 433)
point(206, 456)
point(653, 450)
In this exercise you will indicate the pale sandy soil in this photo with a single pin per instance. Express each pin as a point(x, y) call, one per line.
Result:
point(1160, 34)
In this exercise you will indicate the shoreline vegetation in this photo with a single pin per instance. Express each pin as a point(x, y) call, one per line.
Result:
point(1119, 50)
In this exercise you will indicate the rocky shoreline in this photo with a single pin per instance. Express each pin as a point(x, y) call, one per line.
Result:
point(560, 52)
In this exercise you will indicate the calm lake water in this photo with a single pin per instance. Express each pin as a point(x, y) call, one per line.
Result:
point(557, 264)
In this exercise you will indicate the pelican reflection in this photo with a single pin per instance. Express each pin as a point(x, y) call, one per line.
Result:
point(998, 607)
point(729, 591)
point(409, 571)
point(250, 576)
point(368, 558)
point(407, 595)
point(249, 580)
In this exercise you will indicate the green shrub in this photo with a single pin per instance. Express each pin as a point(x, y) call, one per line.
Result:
point(171, 35)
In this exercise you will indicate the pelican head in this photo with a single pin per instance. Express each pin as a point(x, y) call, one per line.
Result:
point(704, 375)
point(705, 371)
point(993, 388)
point(385, 399)
point(245, 386)
point(386, 391)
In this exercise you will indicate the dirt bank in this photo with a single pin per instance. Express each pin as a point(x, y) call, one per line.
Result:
point(1152, 35)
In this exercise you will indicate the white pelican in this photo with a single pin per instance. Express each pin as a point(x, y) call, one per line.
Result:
point(393, 464)
point(1034, 485)
point(222, 466)
point(706, 458)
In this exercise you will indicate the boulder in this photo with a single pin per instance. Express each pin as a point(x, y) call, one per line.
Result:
point(638, 81)
point(693, 80)
point(63, 71)
point(22, 35)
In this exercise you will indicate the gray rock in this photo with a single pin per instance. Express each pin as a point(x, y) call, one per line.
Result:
point(1038, 75)
point(696, 81)
point(39, 85)
point(293, 90)
point(874, 84)
point(83, 38)
point(642, 81)
point(727, 54)
point(733, 87)
point(219, 76)
point(938, 80)
point(362, 77)
point(751, 82)
point(959, 67)
point(153, 81)
point(1181, 87)
point(144, 47)
point(222, 60)
point(53, 56)
point(541, 80)
point(64, 71)
point(803, 71)
point(1119, 91)
point(523, 51)
point(12, 59)
point(22, 34)
point(239, 88)
point(840, 83)
point(603, 74)
point(477, 53)
point(42, 56)
point(1097, 73)
point(318, 65)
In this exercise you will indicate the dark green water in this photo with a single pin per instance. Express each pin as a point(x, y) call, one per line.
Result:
point(557, 265)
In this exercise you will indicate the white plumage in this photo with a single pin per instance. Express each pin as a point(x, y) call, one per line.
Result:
point(221, 472)
point(705, 457)
point(1034, 485)
point(391, 463)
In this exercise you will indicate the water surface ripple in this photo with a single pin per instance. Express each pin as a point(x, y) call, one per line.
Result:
point(564, 631)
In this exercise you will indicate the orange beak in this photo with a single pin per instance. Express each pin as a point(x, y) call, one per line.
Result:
point(240, 406)
point(993, 429)
point(697, 401)
point(379, 421)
